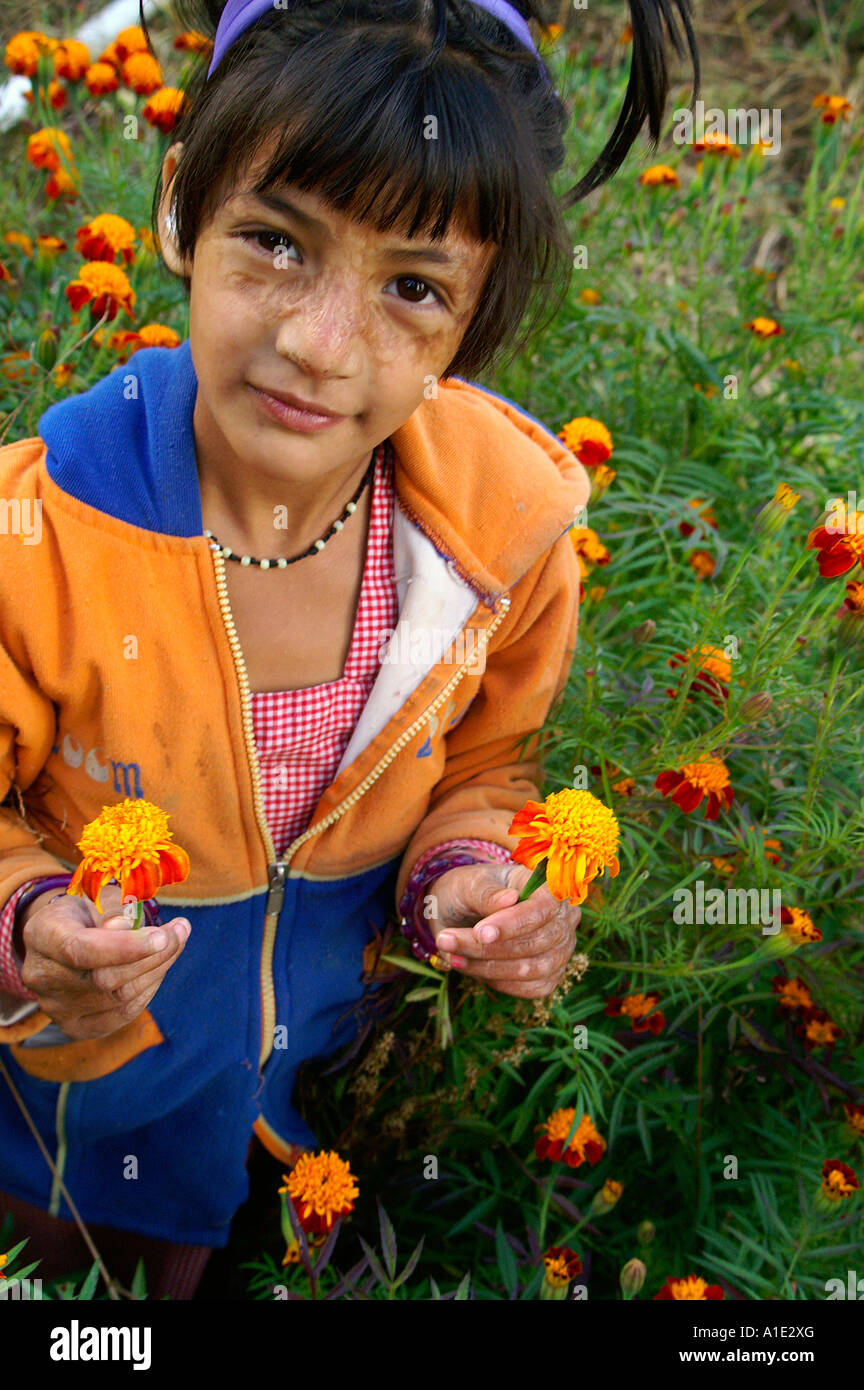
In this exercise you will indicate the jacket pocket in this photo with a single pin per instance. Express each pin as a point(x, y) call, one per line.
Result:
point(86, 1059)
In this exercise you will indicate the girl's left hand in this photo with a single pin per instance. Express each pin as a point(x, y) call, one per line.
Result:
point(520, 948)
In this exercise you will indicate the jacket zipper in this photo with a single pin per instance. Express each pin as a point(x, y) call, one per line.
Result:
point(277, 867)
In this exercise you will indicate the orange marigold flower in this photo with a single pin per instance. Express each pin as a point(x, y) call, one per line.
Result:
point(588, 546)
point(24, 50)
point(691, 1288)
point(589, 296)
point(575, 833)
point(104, 287)
point(799, 925)
point(706, 513)
point(818, 1030)
point(854, 599)
point(588, 439)
point(838, 1180)
point(47, 148)
point(49, 245)
point(842, 546)
point(55, 96)
point(150, 335)
point(794, 994)
point(585, 1142)
point(71, 59)
point(608, 1197)
point(104, 236)
point(713, 675)
point(129, 842)
point(764, 328)
point(855, 1118)
point(775, 513)
point(322, 1189)
point(62, 373)
point(4, 273)
point(21, 240)
point(164, 107)
point(832, 106)
point(702, 562)
point(129, 41)
point(148, 240)
point(142, 73)
point(561, 1265)
point(639, 1008)
point(101, 78)
point(190, 41)
point(601, 476)
point(658, 175)
point(626, 34)
point(690, 783)
point(723, 866)
point(715, 142)
point(61, 185)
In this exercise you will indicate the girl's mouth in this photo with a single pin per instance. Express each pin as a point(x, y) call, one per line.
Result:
point(291, 415)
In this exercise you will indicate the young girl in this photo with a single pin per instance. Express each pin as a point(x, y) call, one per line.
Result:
point(304, 585)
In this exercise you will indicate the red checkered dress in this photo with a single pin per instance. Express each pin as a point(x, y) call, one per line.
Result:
point(301, 735)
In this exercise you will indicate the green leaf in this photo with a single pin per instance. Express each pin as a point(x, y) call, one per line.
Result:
point(461, 1295)
point(88, 1288)
point(139, 1281)
point(414, 967)
point(411, 1265)
point(388, 1240)
point(642, 1126)
point(506, 1261)
point(374, 1263)
point(421, 992)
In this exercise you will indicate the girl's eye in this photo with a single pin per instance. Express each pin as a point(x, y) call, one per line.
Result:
point(417, 289)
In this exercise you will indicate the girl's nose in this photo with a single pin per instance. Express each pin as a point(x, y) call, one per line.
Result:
point(326, 327)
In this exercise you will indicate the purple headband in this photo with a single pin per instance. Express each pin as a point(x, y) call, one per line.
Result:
point(239, 14)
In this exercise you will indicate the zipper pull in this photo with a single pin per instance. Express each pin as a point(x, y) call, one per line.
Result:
point(276, 891)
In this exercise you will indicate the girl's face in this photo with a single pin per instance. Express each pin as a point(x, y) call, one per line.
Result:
point(289, 296)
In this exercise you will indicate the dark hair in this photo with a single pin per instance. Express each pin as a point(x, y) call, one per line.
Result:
point(342, 88)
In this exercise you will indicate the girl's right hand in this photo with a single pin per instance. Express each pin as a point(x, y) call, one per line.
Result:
point(90, 972)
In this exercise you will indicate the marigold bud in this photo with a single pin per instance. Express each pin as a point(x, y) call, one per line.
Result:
point(646, 1232)
point(644, 632)
point(631, 1278)
point(755, 707)
point(46, 349)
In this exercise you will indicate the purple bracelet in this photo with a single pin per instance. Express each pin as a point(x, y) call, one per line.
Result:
point(413, 924)
point(151, 913)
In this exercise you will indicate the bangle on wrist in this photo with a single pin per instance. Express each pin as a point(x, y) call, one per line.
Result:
point(413, 925)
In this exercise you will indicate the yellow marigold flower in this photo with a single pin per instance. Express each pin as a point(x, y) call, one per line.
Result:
point(601, 476)
point(142, 73)
point(190, 41)
point(560, 1267)
point(773, 515)
point(49, 245)
point(837, 204)
point(62, 373)
point(163, 108)
point(21, 240)
point(798, 925)
point(588, 439)
point(575, 833)
point(24, 50)
point(104, 236)
point(764, 327)
point(716, 142)
point(47, 148)
point(659, 175)
point(606, 1198)
point(71, 59)
point(687, 785)
point(129, 41)
point(585, 1143)
point(693, 1288)
point(702, 562)
point(101, 78)
point(855, 1118)
point(322, 1188)
point(588, 546)
point(832, 107)
point(839, 1184)
point(589, 296)
point(131, 843)
point(104, 287)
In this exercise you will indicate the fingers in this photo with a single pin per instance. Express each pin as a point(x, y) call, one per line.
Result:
point(528, 929)
point(62, 938)
point(530, 970)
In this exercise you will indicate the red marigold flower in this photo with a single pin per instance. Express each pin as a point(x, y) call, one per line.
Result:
point(101, 78)
point(639, 1009)
point(690, 783)
point(71, 59)
point(24, 49)
point(588, 439)
point(713, 675)
point(838, 1180)
point(61, 185)
point(840, 542)
point(832, 106)
point(818, 1030)
point(55, 96)
point(104, 236)
point(585, 1142)
point(691, 1288)
point(48, 148)
point(129, 41)
point(764, 327)
point(799, 925)
point(658, 175)
point(561, 1265)
point(104, 286)
point(794, 994)
point(190, 41)
point(163, 108)
point(855, 1118)
point(715, 142)
point(150, 335)
point(322, 1189)
point(706, 514)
